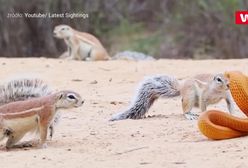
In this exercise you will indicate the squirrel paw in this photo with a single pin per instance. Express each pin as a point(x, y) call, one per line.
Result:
point(26, 145)
point(191, 116)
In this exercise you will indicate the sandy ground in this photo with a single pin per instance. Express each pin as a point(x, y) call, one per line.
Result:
point(85, 138)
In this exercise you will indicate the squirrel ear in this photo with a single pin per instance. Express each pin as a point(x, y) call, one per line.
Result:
point(201, 84)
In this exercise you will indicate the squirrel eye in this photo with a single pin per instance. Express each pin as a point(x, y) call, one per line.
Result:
point(71, 97)
point(219, 80)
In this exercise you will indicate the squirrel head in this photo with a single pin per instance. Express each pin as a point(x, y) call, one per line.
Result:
point(68, 99)
point(220, 82)
point(63, 31)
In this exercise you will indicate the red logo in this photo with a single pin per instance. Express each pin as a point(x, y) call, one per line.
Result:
point(241, 17)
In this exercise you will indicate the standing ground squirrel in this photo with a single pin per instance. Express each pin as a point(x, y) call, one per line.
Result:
point(20, 117)
point(200, 91)
point(81, 45)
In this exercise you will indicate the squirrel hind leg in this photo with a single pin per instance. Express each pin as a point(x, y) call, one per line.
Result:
point(13, 139)
point(27, 144)
point(5, 132)
point(98, 54)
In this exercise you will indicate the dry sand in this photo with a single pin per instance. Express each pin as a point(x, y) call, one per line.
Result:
point(85, 138)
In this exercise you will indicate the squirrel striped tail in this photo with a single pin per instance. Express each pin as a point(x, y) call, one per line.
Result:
point(150, 90)
point(22, 89)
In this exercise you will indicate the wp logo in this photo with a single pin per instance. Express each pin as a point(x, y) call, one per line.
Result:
point(241, 17)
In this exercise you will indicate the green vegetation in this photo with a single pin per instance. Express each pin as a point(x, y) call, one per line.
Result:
point(134, 37)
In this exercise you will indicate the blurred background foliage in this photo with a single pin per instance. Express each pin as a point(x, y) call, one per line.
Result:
point(195, 29)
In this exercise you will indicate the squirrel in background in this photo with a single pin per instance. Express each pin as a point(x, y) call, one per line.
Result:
point(81, 45)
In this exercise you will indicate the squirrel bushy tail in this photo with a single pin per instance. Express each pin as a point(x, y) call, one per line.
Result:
point(22, 89)
point(150, 90)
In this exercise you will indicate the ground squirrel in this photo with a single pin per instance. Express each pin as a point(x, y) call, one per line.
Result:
point(16, 89)
point(20, 117)
point(81, 45)
point(200, 91)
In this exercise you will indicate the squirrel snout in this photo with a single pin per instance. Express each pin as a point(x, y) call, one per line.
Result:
point(78, 103)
